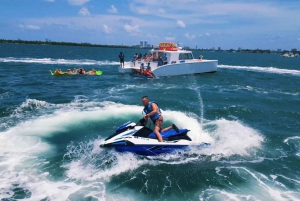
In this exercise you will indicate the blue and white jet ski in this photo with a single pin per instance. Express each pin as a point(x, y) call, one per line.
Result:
point(137, 138)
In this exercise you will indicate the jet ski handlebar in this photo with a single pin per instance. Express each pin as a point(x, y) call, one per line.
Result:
point(141, 122)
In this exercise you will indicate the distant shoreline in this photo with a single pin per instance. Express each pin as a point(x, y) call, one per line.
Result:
point(61, 43)
point(137, 47)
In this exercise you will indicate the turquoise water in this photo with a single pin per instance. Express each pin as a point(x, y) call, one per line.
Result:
point(51, 128)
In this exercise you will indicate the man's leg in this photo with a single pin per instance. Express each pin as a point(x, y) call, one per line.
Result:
point(157, 128)
point(158, 135)
point(166, 129)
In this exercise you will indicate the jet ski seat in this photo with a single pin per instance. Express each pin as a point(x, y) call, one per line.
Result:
point(170, 133)
point(167, 135)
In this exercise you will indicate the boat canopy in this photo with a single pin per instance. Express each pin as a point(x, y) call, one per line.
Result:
point(167, 46)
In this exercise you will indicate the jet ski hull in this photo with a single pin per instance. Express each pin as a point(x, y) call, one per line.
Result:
point(141, 140)
point(150, 150)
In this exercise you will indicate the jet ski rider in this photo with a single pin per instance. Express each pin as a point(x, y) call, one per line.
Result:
point(153, 112)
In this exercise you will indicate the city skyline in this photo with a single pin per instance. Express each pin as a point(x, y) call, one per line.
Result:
point(231, 24)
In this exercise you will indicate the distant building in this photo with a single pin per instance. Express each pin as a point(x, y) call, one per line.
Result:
point(148, 45)
point(145, 43)
point(239, 49)
point(278, 50)
point(294, 50)
point(219, 48)
point(141, 43)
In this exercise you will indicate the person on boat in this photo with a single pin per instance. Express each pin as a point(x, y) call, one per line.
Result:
point(200, 57)
point(153, 112)
point(148, 66)
point(165, 59)
point(145, 57)
point(142, 68)
point(155, 57)
point(160, 61)
point(122, 57)
point(135, 57)
point(74, 71)
point(150, 58)
point(148, 71)
point(140, 57)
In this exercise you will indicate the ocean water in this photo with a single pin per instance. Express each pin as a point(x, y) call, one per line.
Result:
point(51, 128)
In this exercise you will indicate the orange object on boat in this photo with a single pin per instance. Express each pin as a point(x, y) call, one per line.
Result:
point(167, 46)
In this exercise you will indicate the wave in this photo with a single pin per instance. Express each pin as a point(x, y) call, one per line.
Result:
point(57, 61)
point(266, 187)
point(86, 165)
point(263, 69)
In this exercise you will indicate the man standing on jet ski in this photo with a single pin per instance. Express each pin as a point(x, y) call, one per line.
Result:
point(153, 112)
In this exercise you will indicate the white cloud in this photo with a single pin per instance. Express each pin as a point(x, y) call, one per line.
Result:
point(170, 38)
point(32, 27)
point(106, 29)
point(161, 11)
point(142, 10)
point(190, 37)
point(139, 9)
point(50, 0)
point(200, 35)
point(113, 9)
point(153, 36)
point(84, 12)
point(180, 24)
point(77, 2)
point(132, 29)
point(298, 39)
point(207, 34)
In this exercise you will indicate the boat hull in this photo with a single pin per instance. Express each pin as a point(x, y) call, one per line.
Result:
point(186, 68)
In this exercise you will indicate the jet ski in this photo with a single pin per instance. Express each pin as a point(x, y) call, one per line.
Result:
point(139, 139)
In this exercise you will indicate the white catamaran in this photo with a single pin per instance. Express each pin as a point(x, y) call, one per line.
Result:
point(169, 60)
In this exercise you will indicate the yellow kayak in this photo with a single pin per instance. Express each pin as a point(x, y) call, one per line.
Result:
point(99, 72)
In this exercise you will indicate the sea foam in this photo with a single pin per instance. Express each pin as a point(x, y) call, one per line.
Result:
point(57, 61)
point(263, 69)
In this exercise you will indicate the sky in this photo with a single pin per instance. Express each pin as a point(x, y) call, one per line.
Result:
point(263, 24)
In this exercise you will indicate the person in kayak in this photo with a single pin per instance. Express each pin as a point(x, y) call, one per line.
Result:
point(153, 112)
point(57, 72)
point(81, 71)
point(92, 72)
point(122, 57)
point(69, 72)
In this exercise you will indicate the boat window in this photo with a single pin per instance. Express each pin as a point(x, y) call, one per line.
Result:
point(185, 56)
point(162, 54)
